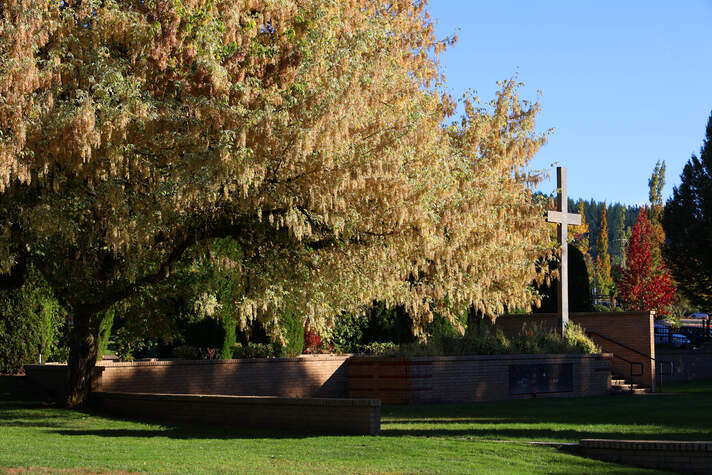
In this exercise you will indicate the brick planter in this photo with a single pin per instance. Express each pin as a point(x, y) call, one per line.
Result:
point(471, 378)
point(676, 456)
point(312, 415)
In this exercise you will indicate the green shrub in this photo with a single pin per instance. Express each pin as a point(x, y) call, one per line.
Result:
point(379, 348)
point(107, 323)
point(187, 352)
point(31, 322)
point(129, 345)
point(537, 339)
point(347, 332)
point(578, 342)
point(292, 326)
point(229, 326)
point(255, 350)
point(486, 340)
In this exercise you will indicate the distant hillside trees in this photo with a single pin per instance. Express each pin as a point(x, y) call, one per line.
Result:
point(602, 277)
point(616, 214)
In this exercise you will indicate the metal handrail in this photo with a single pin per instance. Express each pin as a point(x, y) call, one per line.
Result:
point(630, 365)
point(591, 332)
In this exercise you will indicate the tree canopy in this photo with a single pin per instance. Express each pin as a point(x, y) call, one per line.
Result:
point(310, 132)
point(687, 221)
point(645, 283)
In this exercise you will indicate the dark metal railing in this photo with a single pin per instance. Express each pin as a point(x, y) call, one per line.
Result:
point(631, 363)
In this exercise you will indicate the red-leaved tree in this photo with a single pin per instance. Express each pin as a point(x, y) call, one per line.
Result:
point(646, 283)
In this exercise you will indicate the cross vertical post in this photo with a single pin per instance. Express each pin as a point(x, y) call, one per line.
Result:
point(563, 218)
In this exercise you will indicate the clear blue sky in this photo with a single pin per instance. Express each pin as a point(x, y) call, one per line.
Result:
point(624, 83)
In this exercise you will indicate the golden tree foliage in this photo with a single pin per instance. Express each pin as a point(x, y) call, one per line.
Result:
point(308, 130)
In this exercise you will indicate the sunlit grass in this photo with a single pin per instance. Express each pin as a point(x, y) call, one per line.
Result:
point(465, 438)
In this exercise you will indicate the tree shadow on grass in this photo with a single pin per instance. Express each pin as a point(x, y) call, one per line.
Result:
point(537, 434)
point(189, 432)
point(688, 411)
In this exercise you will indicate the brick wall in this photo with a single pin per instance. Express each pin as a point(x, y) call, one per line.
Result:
point(674, 456)
point(305, 376)
point(466, 378)
point(687, 365)
point(318, 415)
point(632, 330)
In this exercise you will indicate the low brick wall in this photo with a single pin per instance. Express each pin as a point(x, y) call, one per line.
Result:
point(318, 415)
point(470, 378)
point(633, 330)
point(306, 376)
point(682, 457)
point(392, 380)
point(687, 365)
point(52, 378)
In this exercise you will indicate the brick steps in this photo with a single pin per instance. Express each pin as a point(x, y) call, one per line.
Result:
point(620, 386)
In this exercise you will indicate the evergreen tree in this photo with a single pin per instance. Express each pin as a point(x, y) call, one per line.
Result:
point(655, 210)
point(687, 221)
point(617, 237)
point(581, 240)
point(603, 281)
point(579, 290)
point(655, 185)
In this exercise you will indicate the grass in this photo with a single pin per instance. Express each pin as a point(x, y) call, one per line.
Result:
point(462, 438)
point(702, 386)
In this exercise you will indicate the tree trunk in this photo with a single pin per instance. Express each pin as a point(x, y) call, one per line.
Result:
point(82, 359)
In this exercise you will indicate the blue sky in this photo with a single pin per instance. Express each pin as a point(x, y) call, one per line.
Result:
point(624, 83)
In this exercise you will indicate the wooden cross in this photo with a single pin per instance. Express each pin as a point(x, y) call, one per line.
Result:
point(563, 218)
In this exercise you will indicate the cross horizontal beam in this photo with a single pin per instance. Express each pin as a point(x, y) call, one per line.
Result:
point(561, 218)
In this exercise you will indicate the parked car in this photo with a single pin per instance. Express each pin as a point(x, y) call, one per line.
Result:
point(700, 315)
point(663, 337)
point(695, 334)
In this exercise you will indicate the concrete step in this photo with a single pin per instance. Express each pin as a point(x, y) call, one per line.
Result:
point(637, 390)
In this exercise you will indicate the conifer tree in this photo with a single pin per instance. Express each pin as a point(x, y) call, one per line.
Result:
point(655, 211)
point(655, 185)
point(581, 239)
point(687, 222)
point(603, 280)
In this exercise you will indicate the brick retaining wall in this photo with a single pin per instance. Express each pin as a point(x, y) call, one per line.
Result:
point(632, 329)
point(318, 415)
point(682, 457)
point(305, 376)
point(404, 380)
point(688, 365)
point(467, 378)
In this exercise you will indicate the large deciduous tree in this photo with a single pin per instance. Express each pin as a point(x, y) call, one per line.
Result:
point(687, 221)
point(309, 131)
point(645, 283)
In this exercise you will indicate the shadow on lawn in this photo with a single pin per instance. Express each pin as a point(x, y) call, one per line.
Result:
point(537, 434)
point(689, 411)
point(187, 432)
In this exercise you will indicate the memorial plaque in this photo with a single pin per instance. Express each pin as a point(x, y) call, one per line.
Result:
point(541, 378)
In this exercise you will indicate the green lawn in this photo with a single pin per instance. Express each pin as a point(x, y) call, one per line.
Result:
point(466, 438)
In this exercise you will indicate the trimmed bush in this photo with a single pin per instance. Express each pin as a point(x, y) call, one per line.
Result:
point(31, 322)
point(292, 326)
point(107, 323)
point(255, 350)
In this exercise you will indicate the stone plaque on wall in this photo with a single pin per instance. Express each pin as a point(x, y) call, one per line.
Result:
point(541, 378)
